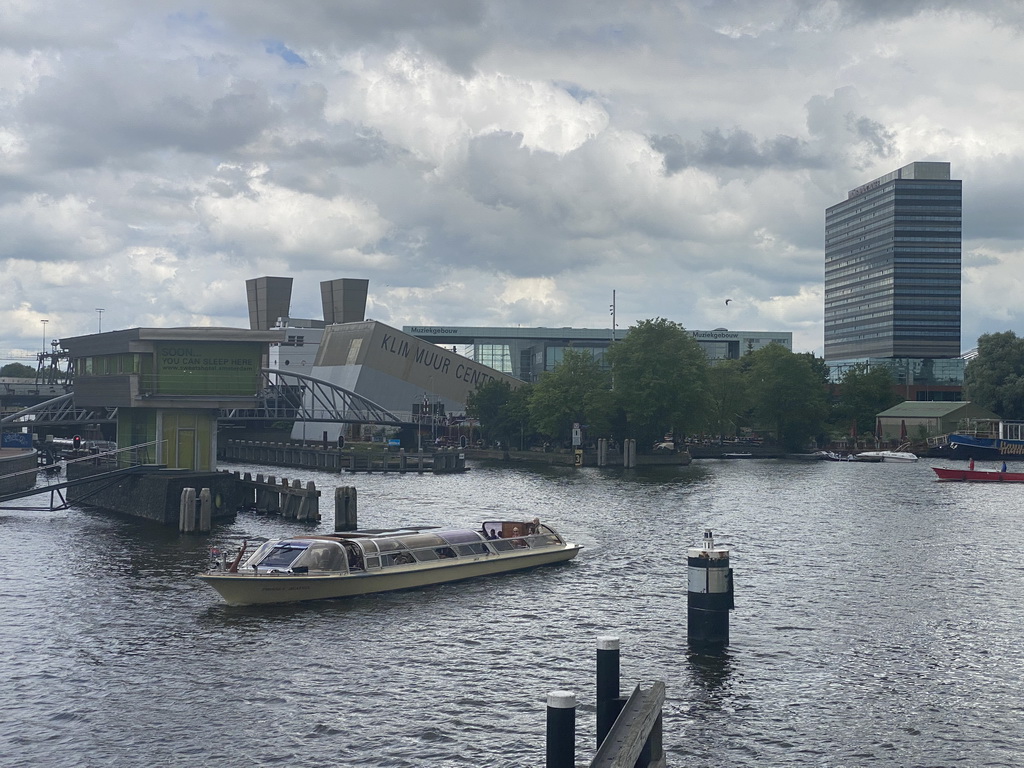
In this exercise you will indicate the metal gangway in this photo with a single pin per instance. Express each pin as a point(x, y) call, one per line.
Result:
point(122, 461)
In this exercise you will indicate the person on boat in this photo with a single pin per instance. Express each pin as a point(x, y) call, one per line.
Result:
point(971, 465)
point(1003, 468)
point(534, 526)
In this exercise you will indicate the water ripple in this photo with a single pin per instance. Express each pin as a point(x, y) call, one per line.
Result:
point(877, 623)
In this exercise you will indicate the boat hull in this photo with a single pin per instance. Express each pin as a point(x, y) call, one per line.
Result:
point(249, 589)
point(978, 475)
point(891, 456)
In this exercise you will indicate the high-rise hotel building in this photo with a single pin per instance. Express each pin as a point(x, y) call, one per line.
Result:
point(892, 268)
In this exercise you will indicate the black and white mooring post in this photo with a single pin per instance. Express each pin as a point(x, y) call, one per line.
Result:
point(608, 707)
point(561, 730)
point(709, 596)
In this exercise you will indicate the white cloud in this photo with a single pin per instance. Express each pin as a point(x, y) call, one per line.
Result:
point(487, 163)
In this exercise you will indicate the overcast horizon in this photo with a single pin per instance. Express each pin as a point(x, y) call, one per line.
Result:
point(487, 163)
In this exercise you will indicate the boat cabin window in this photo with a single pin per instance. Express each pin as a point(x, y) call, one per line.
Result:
point(259, 554)
point(322, 557)
point(1012, 430)
point(510, 529)
point(282, 555)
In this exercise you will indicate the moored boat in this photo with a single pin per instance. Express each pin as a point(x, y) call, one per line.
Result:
point(904, 456)
point(318, 567)
point(978, 475)
point(987, 439)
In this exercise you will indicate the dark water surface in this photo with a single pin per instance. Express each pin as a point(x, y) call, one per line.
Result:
point(878, 623)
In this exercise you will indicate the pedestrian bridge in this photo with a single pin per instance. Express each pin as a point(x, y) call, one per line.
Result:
point(282, 396)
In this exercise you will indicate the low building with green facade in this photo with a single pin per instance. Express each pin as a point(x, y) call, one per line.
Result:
point(168, 385)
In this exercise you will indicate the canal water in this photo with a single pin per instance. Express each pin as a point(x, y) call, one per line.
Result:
point(878, 622)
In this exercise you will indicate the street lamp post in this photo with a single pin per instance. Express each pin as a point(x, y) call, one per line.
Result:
point(611, 310)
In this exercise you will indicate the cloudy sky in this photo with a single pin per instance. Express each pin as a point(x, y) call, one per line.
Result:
point(487, 162)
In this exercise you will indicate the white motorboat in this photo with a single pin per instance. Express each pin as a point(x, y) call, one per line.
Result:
point(886, 456)
point(319, 567)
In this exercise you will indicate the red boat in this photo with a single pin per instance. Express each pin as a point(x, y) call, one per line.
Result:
point(979, 475)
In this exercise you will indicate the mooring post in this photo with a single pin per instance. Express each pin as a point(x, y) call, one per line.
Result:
point(294, 500)
point(345, 513)
point(709, 594)
point(187, 510)
point(309, 506)
point(607, 684)
point(205, 510)
point(561, 730)
point(629, 453)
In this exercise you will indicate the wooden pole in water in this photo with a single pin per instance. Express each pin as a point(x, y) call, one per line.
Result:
point(561, 730)
point(345, 509)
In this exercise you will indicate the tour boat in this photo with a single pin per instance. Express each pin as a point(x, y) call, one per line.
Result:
point(317, 567)
point(979, 475)
point(987, 439)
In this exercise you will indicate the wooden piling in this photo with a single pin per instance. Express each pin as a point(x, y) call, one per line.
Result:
point(345, 509)
point(309, 503)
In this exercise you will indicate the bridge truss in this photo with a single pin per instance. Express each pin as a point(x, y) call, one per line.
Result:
point(60, 410)
point(286, 396)
point(282, 396)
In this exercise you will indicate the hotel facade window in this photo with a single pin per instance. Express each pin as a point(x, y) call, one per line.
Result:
point(892, 267)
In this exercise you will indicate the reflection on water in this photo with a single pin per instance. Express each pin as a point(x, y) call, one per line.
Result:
point(876, 623)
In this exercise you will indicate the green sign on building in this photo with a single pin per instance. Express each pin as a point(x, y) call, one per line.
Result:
point(208, 368)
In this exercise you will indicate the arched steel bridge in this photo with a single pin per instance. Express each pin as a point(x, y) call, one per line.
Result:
point(283, 396)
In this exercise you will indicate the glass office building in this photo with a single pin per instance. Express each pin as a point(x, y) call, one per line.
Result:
point(526, 353)
point(892, 267)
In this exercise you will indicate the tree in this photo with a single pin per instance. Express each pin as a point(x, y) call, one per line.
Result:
point(660, 374)
point(995, 378)
point(865, 391)
point(577, 390)
point(18, 371)
point(787, 394)
point(503, 412)
point(727, 397)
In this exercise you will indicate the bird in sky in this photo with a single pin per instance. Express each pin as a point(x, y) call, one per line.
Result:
point(727, 302)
